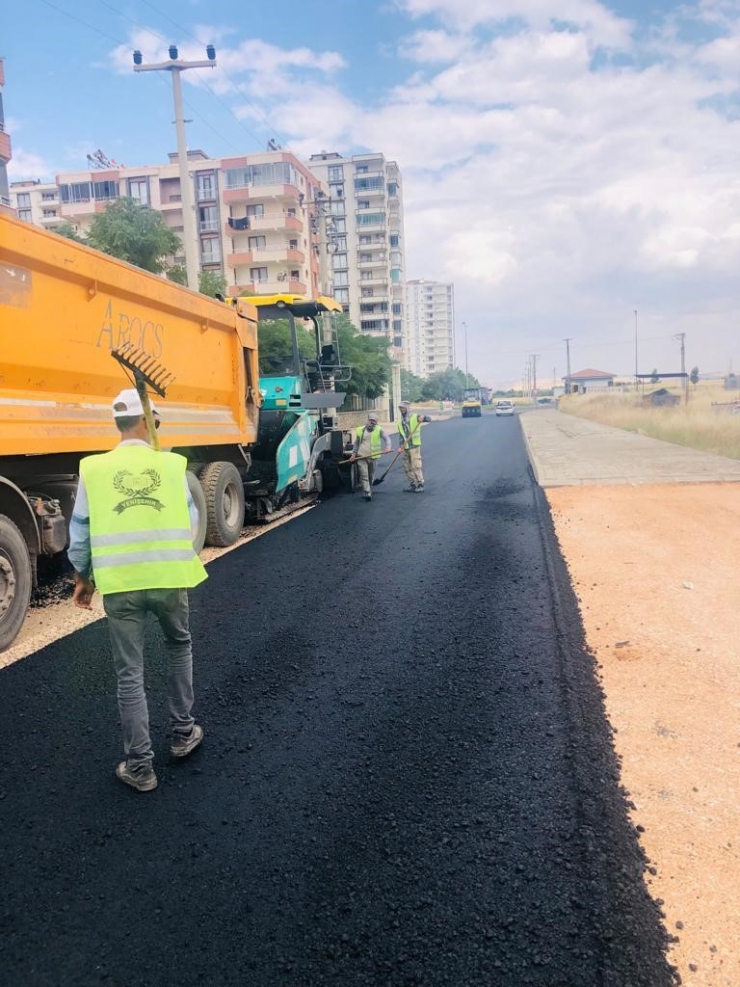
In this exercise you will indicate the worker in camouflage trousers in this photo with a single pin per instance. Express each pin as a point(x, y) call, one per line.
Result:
point(371, 442)
point(409, 427)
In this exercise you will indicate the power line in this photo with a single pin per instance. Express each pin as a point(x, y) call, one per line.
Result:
point(235, 84)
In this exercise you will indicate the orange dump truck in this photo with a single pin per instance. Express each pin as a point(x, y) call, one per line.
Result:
point(63, 309)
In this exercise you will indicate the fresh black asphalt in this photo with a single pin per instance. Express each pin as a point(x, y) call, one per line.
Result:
point(408, 778)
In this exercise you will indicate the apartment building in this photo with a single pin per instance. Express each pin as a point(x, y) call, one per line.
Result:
point(5, 149)
point(430, 321)
point(365, 234)
point(37, 202)
point(253, 213)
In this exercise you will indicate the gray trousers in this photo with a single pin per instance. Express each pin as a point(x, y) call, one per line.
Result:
point(366, 474)
point(127, 618)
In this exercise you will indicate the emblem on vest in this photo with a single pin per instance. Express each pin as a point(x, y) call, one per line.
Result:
point(137, 488)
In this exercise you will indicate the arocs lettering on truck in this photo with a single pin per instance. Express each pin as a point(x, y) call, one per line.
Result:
point(119, 328)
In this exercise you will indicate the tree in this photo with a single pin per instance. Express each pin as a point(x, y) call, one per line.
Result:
point(67, 230)
point(135, 234)
point(367, 355)
point(210, 283)
point(448, 385)
point(411, 386)
point(654, 378)
point(694, 376)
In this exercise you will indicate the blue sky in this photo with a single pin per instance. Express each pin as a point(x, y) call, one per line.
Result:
point(565, 162)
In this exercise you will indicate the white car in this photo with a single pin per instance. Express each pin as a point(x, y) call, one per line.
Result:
point(504, 408)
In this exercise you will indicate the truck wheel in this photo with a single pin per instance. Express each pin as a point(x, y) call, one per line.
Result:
point(196, 492)
point(15, 581)
point(224, 495)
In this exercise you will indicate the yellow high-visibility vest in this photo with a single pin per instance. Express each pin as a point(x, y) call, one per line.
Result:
point(376, 440)
point(408, 438)
point(140, 532)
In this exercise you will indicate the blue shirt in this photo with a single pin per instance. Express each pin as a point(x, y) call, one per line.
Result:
point(79, 552)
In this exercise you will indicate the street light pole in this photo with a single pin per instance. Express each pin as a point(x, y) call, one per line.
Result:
point(465, 333)
point(567, 359)
point(175, 67)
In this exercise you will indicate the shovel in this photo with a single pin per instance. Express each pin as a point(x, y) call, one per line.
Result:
point(146, 373)
point(401, 448)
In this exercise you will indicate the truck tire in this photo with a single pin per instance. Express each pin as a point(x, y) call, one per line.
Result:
point(196, 492)
point(16, 581)
point(224, 495)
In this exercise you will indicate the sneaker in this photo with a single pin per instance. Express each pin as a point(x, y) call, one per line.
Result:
point(143, 780)
point(184, 744)
point(368, 496)
point(411, 489)
point(420, 488)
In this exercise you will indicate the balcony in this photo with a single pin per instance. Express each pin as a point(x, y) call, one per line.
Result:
point(208, 226)
point(269, 223)
point(5, 149)
point(174, 202)
point(272, 288)
point(245, 193)
point(373, 281)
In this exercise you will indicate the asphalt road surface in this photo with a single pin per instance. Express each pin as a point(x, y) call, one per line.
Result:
point(407, 778)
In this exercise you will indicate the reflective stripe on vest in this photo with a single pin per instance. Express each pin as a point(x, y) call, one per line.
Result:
point(375, 440)
point(413, 426)
point(140, 533)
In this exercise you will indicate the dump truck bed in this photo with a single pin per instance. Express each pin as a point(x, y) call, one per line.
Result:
point(64, 308)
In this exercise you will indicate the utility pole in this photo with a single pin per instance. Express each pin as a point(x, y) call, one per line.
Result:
point(175, 67)
point(682, 337)
point(534, 357)
point(636, 365)
point(327, 243)
point(465, 335)
point(567, 364)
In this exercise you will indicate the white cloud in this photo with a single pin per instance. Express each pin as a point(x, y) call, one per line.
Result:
point(27, 166)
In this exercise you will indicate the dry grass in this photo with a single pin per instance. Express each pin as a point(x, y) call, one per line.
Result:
point(700, 424)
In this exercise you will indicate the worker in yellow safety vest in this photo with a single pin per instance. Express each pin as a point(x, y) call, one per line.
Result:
point(409, 428)
point(131, 538)
point(371, 442)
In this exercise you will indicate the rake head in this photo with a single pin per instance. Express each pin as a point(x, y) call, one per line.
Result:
point(145, 368)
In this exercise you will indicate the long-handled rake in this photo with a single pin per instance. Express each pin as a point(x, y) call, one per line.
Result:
point(146, 372)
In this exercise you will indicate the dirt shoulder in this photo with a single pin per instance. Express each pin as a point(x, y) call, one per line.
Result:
point(655, 570)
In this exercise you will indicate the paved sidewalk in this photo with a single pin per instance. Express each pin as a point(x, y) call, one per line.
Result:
point(568, 451)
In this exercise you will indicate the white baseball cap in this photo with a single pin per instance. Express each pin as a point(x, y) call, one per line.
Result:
point(127, 404)
point(373, 417)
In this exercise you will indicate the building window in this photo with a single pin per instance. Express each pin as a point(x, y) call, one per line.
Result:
point(257, 242)
point(258, 274)
point(337, 207)
point(48, 213)
point(295, 275)
point(340, 225)
point(278, 173)
point(395, 240)
point(341, 242)
point(397, 308)
point(208, 219)
point(367, 292)
point(392, 188)
point(361, 169)
point(25, 215)
point(24, 200)
point(336, 173)
point(341, 295)
point(48, 196)
point(363, 204)
point(138, 188)
point(341, 278)
point(257, 212)
point(366, 184)
point(206, 186)
point(210, 251)
point(104, 191)
point(76, 192)
point(292, 244)
point(339, 262)
point(371, 219)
